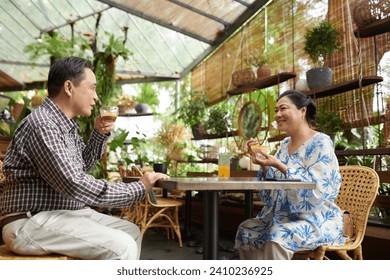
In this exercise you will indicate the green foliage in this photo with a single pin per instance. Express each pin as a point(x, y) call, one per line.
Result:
point(55, 45)
point(8, 126)
point(116, 48)
point(139, 147)
point(105, 75)
point(329, 122)
point(118, 139)
point(148, 95)
point(215, 121)
point(193, 108)
point(321, 41)
point(255, 59)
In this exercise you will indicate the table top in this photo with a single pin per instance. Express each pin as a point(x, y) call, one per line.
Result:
point(224, 183)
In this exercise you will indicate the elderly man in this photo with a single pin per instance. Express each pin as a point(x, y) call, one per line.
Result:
point(45, 196)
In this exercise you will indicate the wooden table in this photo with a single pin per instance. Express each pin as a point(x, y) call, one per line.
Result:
point(210, 187)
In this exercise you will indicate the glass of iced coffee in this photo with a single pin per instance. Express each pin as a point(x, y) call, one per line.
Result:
point(257, 148)
point(109, 113)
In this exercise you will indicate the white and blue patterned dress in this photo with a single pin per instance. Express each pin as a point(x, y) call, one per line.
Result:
point(299, 219)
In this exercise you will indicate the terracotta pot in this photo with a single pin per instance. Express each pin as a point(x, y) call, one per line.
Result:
point(263, 72)
point(361, 12)
point(4, 143)
point(17, 109)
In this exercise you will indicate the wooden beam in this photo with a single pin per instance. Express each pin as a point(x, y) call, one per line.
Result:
point(156, 20)
point(384, 176)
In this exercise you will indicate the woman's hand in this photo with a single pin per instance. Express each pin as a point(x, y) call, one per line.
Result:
point(264, 159)
point(250, 143)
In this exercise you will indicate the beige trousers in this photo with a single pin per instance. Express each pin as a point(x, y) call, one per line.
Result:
point(269, 251)
point(84, 234)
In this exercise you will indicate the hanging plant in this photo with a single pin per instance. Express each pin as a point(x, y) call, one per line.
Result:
point(104, 63)
point(56, 45)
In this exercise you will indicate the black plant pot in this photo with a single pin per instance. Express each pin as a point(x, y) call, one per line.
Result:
point(141, 108)
point(319, 77)
point(198, 131)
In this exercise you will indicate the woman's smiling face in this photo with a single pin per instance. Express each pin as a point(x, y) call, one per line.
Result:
point(288, 116)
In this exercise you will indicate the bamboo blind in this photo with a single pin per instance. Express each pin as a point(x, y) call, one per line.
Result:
point(279, 30)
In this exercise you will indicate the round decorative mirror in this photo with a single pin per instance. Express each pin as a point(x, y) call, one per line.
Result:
point(249, 120)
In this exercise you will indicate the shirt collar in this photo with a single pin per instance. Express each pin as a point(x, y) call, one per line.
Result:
point(66, 123)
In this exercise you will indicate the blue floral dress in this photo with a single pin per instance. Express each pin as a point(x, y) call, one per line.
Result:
point(299, 219)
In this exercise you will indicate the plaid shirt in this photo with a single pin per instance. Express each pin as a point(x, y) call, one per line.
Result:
point(47, 164)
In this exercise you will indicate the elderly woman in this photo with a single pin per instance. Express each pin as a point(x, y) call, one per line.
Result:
point(294, 220)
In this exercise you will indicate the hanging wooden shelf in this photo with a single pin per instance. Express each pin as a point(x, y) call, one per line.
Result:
point(262, 83)
point(136, 115)
point(217, 136)
point(209, 160)
point(365, 152)
point(277, 138)
point(376, 28)
point(343, 87)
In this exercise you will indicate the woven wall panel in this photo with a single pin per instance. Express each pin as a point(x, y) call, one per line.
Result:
point(286, 24)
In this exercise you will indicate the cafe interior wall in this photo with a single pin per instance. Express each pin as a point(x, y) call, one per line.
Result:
point(278, 30)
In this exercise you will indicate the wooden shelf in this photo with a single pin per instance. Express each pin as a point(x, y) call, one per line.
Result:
point(262, 83)
point(376, 28)
point(372, 121)
point(343, 87)
point(216, 136)
point(136, 115)
point(277, 138)
point(366, 152)
point(207, 160)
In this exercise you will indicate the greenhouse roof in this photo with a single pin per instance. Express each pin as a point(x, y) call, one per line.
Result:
point(167, 38)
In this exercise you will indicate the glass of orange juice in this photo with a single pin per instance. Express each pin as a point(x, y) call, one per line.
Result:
point(109, 113)
point(224, 165)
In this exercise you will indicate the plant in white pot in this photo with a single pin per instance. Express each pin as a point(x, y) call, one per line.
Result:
point(321, 41)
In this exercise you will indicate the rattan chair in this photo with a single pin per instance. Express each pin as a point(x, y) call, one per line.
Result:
point(154, 211)
point(357, 194)
point(6, 254)
point(159, 212)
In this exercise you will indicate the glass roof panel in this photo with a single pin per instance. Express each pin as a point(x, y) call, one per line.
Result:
point(162, 34)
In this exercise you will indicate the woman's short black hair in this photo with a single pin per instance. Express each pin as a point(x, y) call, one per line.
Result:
point(300, 100)
point(63, 69)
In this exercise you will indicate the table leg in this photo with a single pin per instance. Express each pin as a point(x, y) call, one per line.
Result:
point(248, 204)
point(210, 225)
point(191, 241)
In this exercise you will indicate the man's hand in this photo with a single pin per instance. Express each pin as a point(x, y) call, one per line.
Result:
point(103, 126)
point(150, 178)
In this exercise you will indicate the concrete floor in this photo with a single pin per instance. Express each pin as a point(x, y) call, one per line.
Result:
point(156, 246)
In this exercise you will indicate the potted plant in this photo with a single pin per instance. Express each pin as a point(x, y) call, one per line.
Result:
point(193, 110)
point(258, 63)
point(321, 41)
point(126, 104)
point(218, 119)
